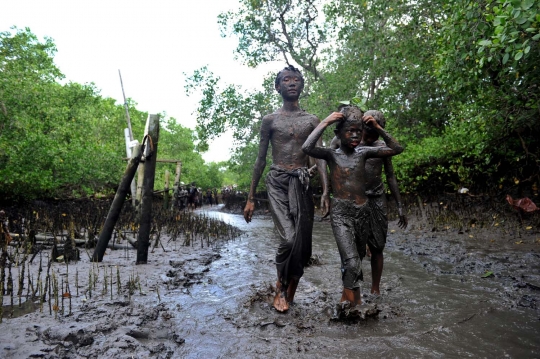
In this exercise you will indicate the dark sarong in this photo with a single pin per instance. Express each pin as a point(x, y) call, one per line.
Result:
point(354, 226)
point(377, 201)
point(291, 205)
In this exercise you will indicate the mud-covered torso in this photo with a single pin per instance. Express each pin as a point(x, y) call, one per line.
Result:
point(374, 168)
point(347, 175)
point(289, 131)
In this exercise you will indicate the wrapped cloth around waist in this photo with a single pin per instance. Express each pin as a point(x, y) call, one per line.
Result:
point(302, 173)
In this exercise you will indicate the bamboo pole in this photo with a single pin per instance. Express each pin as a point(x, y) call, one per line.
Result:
point(129, 135)
point(116, 207)
point(148, 189)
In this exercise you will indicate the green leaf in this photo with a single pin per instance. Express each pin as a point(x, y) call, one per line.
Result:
point(519, 55)
point(527, 49)
point(526, 4)
point(521, 20)
point(345, 102)
point(505, 58)
point(356, 101)
point(536, 37)
point(485, 43)
point(487, 274)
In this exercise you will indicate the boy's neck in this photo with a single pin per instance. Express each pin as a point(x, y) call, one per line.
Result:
point(347, 150)
point(290, 106)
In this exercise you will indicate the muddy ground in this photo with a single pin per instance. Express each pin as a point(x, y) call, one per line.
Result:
point(447, 290)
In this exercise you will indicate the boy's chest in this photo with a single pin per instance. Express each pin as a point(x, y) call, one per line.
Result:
point(348, 164)
point(297, 128)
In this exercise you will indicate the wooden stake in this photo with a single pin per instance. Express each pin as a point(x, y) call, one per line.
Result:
point(143, 239)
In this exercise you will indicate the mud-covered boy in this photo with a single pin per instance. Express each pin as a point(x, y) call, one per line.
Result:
point(356, 221)
point(376, 192)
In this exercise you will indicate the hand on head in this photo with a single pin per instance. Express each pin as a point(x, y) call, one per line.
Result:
point(370, 121)
point(334, 117)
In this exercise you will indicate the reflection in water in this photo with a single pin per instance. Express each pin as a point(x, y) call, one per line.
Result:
point(424, 315)
point(15, 311)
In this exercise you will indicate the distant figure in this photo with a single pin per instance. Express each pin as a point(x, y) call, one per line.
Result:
point(193, 197)
point(209, 196)
point(289, 194)
point(181, 198)
point(216, 196)
point(356, 220)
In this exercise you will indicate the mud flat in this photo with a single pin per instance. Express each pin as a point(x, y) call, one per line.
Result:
point(211, 302)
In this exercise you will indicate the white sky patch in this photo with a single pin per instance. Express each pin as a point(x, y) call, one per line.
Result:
point(152, 43)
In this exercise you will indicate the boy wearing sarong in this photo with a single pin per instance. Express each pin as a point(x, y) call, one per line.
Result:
point(289, 194)
point(375, 191)
point(376, 195)
point(356, 221)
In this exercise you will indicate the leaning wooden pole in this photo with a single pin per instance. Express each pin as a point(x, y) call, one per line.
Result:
point(116, 206)
point(148, 189)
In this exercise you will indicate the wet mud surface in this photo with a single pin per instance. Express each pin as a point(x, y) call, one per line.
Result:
point(215, 302)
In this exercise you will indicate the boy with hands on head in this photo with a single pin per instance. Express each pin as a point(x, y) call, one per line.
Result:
point(355, 220)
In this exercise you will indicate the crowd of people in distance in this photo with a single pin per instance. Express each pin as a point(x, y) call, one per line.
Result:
point(192, 197)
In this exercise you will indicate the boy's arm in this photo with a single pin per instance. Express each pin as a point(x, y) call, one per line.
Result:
point(394, 189)
point(393, 147)
point(323, 176)
point(309, 147)
point(260, 164)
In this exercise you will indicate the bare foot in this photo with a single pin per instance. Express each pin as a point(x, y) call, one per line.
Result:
point(375, 291)
point(352, 296)
point(280, 301)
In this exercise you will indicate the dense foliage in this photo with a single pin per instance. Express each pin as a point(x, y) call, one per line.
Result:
point(457, 80)
point(66, 139)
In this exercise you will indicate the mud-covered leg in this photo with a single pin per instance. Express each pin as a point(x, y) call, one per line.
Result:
point(352, 296)
point(377, 263)
point(291, 290)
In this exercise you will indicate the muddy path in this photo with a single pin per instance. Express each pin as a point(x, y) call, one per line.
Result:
point(215, 302)
point(434, 301)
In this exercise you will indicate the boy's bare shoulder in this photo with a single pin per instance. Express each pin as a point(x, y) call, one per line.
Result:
point(312, 118)
point(270, 117)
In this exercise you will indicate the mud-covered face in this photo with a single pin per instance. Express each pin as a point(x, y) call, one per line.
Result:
point(370, 136)
point(290, 85)
point(350, 134)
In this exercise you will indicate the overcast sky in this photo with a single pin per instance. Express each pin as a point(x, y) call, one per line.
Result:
point(152, 43)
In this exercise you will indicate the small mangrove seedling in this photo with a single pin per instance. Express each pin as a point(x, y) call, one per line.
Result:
point(118, 284)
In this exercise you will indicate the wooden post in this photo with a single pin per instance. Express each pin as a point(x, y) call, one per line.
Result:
point(176, 182)
point(166, 194)
point(178, 171)
point(116, 206)
point(148, 189)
